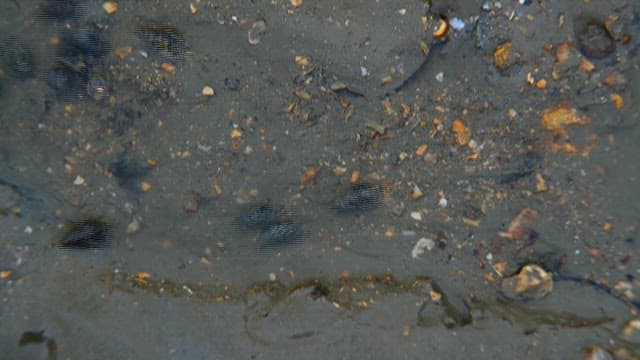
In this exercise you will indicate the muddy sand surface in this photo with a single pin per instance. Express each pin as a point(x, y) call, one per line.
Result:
point(319, 179)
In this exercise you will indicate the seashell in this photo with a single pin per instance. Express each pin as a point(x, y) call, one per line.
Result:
point(530, 283)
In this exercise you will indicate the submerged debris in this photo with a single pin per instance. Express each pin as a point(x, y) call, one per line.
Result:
point(87, 234)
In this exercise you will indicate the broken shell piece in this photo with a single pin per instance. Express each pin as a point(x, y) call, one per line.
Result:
point(257, 31)
point(596, 353)
point(558, 119)
point(208, 91)
point(110, 7)
point(416, 193)
point(522, 227)
point(441, 29)
point(530, 283)
point(631, 331)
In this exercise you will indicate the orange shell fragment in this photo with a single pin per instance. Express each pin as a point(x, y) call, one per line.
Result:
point(501, 55)
point(557, 119)
point(463, 135)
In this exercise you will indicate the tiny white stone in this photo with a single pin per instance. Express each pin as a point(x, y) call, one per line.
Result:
point(443, 202)
point(28, 229)
point(402, 11)
point(416, 215)
point(363, 71)
point(440, 76)
point(272, 277)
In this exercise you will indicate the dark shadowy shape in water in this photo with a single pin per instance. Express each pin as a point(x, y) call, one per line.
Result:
point(361, 197)
point(259, 217)
point(164, 39)
point(129, 172)
point(526, 166)
point(280, 235)
point(594, 40)
point(84, 44)
point(18, 57)
point(78, 55)
point(67, 83)
point(87, 234)
point(60, 10)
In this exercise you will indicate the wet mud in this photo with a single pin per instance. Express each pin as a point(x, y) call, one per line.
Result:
point(298, 179)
